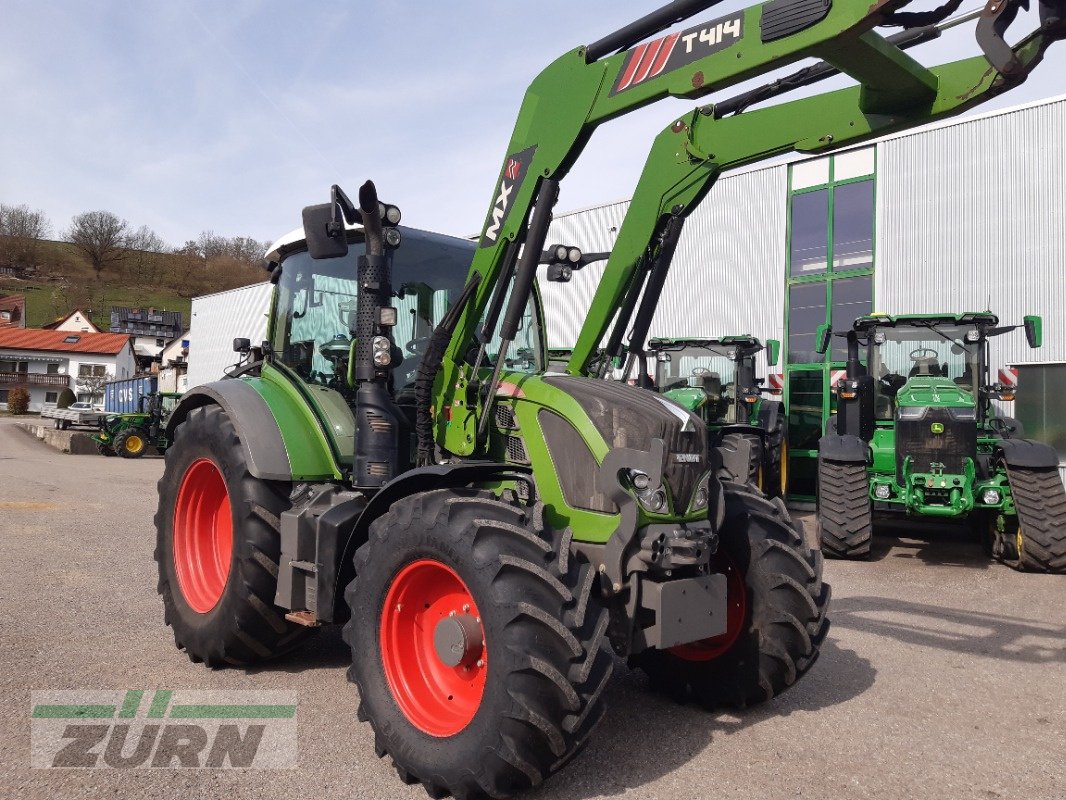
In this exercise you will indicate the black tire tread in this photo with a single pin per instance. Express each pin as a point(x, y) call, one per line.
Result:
point(254, 629)
point(549, 610)
point(1040, 499)
point(845, 514)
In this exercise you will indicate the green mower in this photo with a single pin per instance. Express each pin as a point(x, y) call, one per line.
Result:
point(917, 435)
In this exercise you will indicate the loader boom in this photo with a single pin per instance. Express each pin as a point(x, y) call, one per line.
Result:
point(587, 86)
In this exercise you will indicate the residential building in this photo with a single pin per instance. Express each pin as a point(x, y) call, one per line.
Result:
point(77, 321)
point(45, 362)
point(174, 365)
point(151, 329)
point(12, 311)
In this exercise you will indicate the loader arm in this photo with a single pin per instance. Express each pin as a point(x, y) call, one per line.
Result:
point(591, 85)
point(688, 157)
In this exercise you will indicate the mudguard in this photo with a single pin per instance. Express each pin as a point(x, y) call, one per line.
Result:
point(422, 479)
point(1024, 453)
point(260, 436)
point(848, 449)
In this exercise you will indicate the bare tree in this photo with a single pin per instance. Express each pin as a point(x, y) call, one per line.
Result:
point(145, 255)
point(92, 385)
point(21, 232)
point(101, 237)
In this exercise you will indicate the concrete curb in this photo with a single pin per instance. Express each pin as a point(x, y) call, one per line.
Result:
point(73, 442)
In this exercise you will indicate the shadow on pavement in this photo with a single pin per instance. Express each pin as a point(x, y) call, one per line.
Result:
point(946, 546)
point(972, 633)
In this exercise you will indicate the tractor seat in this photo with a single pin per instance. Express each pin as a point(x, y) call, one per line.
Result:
point(927, 366)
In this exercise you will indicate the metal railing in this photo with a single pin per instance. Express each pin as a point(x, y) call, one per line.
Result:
point(33, 379)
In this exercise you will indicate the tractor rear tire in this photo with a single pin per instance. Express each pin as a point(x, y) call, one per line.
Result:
point(733, 442)
point(218, 545)
point(845, 513)
point(526, 689)
point(776, 617)
point(105, 450)
point(1038, 539)
point(131, 443)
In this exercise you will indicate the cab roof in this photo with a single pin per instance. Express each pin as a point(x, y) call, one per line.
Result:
point(725, 341)
point(916, 320)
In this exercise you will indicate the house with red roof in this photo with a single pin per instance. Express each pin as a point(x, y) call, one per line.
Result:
point(45, 362)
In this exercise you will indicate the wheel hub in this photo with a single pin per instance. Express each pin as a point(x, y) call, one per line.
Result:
point(458, 639)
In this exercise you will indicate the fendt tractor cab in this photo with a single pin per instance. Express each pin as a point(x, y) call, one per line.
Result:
point(717, 380)
point(917, 432)
point(134, 434)
point(396, 457)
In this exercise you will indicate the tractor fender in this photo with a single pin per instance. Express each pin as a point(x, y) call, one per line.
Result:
point(1025, 453)
point(421, 479)
point(848, 449)
point(770, 413)
point(252, 416)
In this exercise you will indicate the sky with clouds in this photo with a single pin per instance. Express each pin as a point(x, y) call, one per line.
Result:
point(188, 116)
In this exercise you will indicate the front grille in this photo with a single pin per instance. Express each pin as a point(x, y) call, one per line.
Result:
point(505, 418)
point(948, 450)
point(516, 450)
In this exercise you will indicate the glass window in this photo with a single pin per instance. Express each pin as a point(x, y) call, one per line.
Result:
point(52, 369)
point(853, 164)
point(51, 397)
point(852, 297)
point(809, 248)
point(1038, 406)
point(804, 409)
point(853, 226)
point(806, 311)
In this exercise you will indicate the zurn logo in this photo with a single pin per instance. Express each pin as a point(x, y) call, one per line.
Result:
point(181, 729)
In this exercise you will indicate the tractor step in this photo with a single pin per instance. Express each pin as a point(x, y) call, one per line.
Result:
point(305, 618)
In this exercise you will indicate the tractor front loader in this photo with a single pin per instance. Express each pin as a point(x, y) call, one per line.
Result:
point(397, 458)
point(716, 379)
point(916, 435)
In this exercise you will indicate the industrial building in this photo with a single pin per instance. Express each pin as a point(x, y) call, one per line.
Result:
point(964, 215)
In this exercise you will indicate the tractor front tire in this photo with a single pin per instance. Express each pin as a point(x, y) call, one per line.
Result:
point(131, 443)
point(218, 544)
point(477, 645)
point(776, 618)
point(845, 513)
point(1036, 541)
point(734, 442)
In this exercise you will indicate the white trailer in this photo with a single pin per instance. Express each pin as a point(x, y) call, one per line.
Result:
point(218, 319)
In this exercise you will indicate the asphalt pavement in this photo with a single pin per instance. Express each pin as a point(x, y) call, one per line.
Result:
point(943, 676)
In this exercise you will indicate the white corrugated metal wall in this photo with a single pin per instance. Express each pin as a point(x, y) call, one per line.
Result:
point(217, 319)
point(972, 216)
point(727, 276)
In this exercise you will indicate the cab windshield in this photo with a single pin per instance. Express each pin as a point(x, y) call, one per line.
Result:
point(708, 367)
point(316, 303)
point(897, 354)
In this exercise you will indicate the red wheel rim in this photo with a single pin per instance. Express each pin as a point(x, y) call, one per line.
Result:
point(736, 612)
point(203, 535)
point(436, 698)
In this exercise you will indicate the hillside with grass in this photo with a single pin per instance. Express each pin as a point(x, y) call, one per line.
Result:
point(57, 277)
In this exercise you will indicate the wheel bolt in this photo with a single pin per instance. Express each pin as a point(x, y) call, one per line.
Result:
point(481, 662)
point(466, 606)
point(451, 613)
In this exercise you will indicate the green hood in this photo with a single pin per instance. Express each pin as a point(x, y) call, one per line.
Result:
point(925, 390)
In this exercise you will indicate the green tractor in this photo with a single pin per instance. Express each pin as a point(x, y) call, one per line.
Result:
point(716, 379)
point(917, 435)
point(396, 456)
point(131, 435)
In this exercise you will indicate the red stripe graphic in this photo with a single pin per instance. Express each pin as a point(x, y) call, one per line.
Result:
point(664, 55)
point(631, 67)
point(648, 60)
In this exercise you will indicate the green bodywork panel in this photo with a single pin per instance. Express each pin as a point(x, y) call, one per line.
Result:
point(933, 392)
point(313, 450)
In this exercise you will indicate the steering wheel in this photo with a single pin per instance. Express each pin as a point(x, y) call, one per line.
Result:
point(417, 346)
point(701, 371)
point(923, 352)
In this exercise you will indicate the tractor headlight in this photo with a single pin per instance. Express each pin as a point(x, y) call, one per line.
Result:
point(561, 252)
point(963, 414)
point(879, 337)
point(651, 501)
point(392, 215)
point(973, 335)
point(702, 494)
point(882, 491)
point(392, 237)
point(382, 351)
point(574, 254)
point(990, 497)
point(911, 412)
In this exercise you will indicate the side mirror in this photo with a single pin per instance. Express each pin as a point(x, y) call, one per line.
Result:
point(1034, 330)
point(821, 338)
point(242, 345)
point(773, 352)
point(324, 240)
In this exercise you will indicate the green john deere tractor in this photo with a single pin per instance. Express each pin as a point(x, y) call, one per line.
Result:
point(916, 433)
point(131, 435)
point(395, 456)
point(716, 379)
